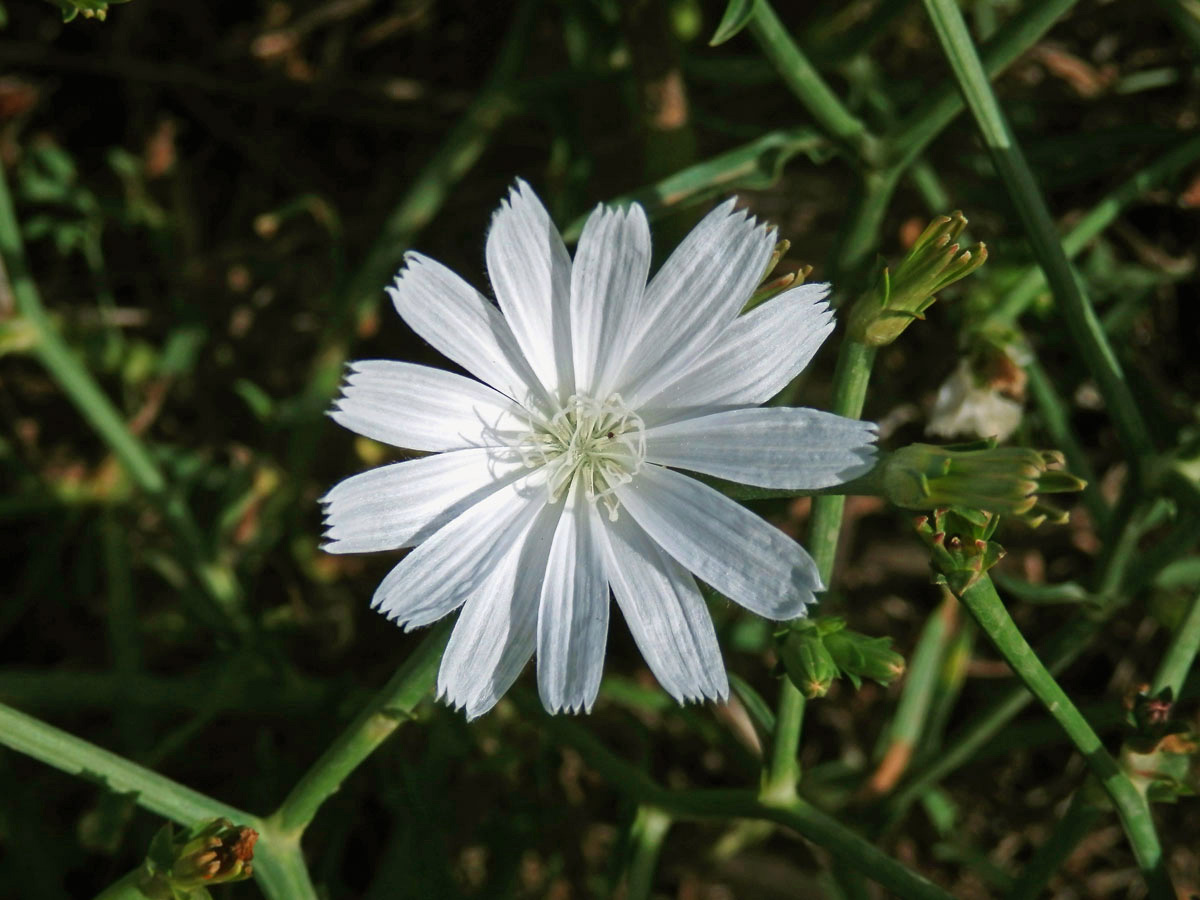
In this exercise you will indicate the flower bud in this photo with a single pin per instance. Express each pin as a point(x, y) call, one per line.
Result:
point(960, 545)
point(1161, 757)
point(859, 657)
point(769, 287)
point(934, 262)
point(1005, 480)
point(213, 852)
point(808, 663)
point(818, 651)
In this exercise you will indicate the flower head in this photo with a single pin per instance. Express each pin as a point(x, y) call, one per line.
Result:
point(551, 479)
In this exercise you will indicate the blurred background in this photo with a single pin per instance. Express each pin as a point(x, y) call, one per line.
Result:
point(212, 197)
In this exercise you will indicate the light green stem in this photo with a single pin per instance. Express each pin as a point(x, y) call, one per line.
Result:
point(1181, 653)
point(844, 844)
point(849, 393)
point(392, 706)
point(76, 756)
point(1085, 328)
point(649, 830)
point(807, 84)
point(927, 121)
point(920, 680)
point(1098, 218)
point(985, 605)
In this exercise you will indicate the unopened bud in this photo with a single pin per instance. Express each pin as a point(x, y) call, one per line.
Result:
point(1008, 480)
point(808, 662)
point(934, 262)
point(214, 852)
point(769, 287)
point(859, 657)
point(960, 545)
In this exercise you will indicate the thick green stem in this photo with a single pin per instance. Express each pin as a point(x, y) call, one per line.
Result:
point(988, 610)
point(76, 756)
point(849, 393)
point(1084, 326)
point(1024, 30)
point(392, 706)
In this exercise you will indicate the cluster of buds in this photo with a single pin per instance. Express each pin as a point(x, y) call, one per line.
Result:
point(89, 9)
point(1008, 480)
point(816, 652)
point(182, 866)
point(960, 545)
point(1160, 756)
point(769, 287)
point(933, 263)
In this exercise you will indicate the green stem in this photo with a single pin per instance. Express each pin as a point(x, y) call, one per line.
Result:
point(392, 706)
point(649, 830)
point(1181, 653)
point(1061, 650)
point(76, 756)
point(985, 605)
point(850, 380)
point(825, 831)
point(920, 681)
point(1085, 328)
point(1024, 30)
point(807, 84)
point(860, 234)
point(1098, 218)
point(756, 165)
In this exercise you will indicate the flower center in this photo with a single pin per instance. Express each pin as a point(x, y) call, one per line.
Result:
point(597, 444)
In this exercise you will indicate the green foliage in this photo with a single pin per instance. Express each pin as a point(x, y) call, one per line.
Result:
point(204, 210)
point(737, 16)
point(89, 9)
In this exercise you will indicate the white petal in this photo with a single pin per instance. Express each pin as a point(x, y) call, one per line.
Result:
point(665, 613)
point(757, 355)
point(436, 577)
point(607, 281)
point(774, 447)
point(697, 293)
point(420, 408)
point(464, 326)
point(497, 630)
point(746, 559)
point(573, 615)
point(530, 271)
point(402, 504)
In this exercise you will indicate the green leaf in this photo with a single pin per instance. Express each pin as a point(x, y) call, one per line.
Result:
point(756, 707)
point(737, 16)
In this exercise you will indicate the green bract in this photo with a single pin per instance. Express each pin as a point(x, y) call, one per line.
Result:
point(899, 297)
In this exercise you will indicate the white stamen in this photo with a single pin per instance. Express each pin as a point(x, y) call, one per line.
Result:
point(600, 444)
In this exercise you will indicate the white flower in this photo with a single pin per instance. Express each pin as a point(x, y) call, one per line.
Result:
point(548, 482)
